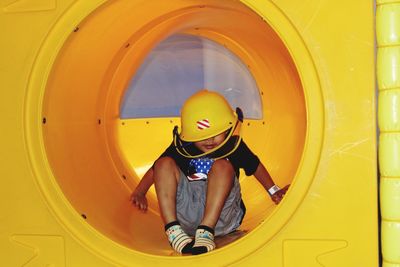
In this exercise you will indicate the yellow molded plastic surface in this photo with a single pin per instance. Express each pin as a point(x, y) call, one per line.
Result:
point(388, 108)
point(389, 70)
point(388, 77)
point(390, 200)
point(390, 239)
point(69, 163)
point(387, 264)
point(387, 19)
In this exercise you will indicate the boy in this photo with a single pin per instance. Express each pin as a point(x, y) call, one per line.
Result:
point(196, 178)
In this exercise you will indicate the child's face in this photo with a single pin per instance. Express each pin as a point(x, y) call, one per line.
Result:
point(210, 143)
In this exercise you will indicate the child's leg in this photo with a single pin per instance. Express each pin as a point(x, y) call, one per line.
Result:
point(220, 182)
point(166, 178)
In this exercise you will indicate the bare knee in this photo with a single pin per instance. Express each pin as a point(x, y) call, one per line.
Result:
point(165, 166)
point(164, 163)
point(223, 169)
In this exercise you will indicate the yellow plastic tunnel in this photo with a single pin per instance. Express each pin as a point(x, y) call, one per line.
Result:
point(86, 109)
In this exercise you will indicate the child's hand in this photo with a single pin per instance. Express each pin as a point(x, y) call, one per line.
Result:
point(139, 200)
point(278, 196)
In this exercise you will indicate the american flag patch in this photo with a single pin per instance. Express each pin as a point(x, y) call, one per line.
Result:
point(203, 124)
point(200, 169)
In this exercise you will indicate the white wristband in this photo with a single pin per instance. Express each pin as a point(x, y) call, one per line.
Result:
point(273, 189)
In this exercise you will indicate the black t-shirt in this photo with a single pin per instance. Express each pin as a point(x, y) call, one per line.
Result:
point(241, 158)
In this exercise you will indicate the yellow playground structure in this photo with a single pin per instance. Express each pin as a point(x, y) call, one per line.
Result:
point(71, 153)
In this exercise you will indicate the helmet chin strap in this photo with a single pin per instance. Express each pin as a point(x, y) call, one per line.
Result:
point(227, 147)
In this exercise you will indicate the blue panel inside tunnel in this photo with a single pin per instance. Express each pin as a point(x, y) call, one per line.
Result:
point(181, 65)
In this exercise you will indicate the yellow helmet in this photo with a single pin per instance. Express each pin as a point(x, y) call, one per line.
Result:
point(205, 114)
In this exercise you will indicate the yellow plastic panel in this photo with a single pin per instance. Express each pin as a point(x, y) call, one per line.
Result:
point(381, 2)
point(388, 110)
point(389, 70)
point(388, 63)
point(389, 154)
point(312, 253)
point(387, 21)
point(390, 237)
point(390, 198)
point(69, 163)
point(387, 264)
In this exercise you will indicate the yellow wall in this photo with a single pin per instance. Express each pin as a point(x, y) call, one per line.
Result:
point(67, 155)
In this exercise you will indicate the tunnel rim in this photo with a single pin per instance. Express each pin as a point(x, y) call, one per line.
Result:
point(61, 207)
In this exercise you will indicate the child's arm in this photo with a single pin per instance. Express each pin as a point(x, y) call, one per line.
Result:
point(265, 179)
point(138, 196)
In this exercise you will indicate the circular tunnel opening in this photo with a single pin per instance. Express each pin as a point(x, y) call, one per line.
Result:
point(98, 154)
